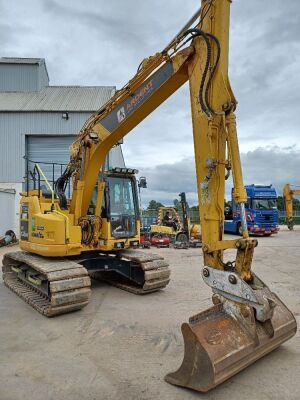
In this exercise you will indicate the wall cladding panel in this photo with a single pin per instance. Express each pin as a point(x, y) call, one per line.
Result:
point(15, 126)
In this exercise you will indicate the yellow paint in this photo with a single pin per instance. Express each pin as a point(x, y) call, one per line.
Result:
point(194, 229)
point(288, 195)
point(215, 145)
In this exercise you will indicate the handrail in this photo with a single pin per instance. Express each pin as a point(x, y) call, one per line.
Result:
point(48, 184)
point(45, 162)
point(67, 228)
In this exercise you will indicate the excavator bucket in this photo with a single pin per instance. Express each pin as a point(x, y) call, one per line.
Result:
point(218, 344)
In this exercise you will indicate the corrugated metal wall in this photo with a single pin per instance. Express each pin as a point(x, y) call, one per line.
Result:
point(46, 135)
point(43, 76)
point(21, 77)
point(49, 149)
point(57, 99)
point(52, 154)
point(15, 126)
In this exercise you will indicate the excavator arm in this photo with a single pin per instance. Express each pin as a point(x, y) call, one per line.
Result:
point(199, 55)
point(157, 79)
point(288, 196)
point(247, 320)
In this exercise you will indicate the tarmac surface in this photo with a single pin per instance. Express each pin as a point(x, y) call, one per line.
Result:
point(121, 345)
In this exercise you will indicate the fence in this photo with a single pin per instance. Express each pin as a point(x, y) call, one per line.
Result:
point(282, 217)
point(149, 216)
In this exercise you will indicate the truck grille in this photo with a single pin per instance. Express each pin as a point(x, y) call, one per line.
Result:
point(265, 219)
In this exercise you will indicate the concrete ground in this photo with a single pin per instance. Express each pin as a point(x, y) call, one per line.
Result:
point(120, 346)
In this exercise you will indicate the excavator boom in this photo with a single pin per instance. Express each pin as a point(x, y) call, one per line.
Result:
point(247, 320)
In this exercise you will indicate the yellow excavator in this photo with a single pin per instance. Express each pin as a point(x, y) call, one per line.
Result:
point(288, 195)
point(61, 242)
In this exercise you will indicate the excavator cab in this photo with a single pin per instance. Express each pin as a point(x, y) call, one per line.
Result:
point(121, 203)
point(115, 202)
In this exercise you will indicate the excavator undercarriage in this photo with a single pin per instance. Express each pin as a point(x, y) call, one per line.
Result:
point(56, 286)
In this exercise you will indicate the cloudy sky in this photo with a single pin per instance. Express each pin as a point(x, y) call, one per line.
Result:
point(100, 42)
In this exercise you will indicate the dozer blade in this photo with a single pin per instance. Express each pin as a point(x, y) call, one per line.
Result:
point(218, 344)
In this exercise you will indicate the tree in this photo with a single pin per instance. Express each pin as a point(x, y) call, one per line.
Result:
point(280, 203)
point(296, 204)
point(281, 206)
point(177, 204)
point(154, 205)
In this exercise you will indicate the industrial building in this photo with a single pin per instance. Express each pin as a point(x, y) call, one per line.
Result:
point(39, 121)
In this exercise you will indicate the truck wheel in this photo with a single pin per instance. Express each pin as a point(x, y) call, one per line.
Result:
point(239, 229)
point(181, 237)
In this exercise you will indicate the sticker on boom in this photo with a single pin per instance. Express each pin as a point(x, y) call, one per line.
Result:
point(121, 115)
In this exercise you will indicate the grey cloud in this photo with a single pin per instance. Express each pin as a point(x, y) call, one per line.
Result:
point(272, 165)
point(265, 45)
point(264, 165)
point(68, 12)
point(176, 177)
point(99, 42)
point(107, 26)
point(7, 33)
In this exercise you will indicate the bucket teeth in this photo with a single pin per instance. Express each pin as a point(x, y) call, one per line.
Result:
point(217, 345)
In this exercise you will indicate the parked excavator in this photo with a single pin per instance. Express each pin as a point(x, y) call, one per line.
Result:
point(288, 196)
point(247, 320)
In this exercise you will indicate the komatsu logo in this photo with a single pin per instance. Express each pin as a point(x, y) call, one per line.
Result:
point(121, 115)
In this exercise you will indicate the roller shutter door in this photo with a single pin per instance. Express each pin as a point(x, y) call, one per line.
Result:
point(55, 149)
point(49, 148)
point(52, 154)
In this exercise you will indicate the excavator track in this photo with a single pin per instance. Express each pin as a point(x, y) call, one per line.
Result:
point(55, 286)
point(51, 286)
point(156, 272)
